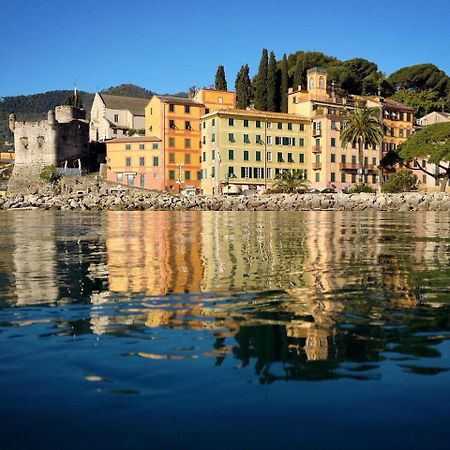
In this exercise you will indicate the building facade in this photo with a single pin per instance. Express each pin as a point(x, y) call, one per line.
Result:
point(135, 161)
point(113, 116)
point(244, 150)
point(176, 121)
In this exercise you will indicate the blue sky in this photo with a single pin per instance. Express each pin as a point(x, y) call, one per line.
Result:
point(167, 46)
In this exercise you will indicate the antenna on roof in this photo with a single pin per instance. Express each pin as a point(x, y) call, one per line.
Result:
point(75, 91)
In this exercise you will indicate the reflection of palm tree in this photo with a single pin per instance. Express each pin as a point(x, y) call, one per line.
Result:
point(291, 180)
point(363, 126)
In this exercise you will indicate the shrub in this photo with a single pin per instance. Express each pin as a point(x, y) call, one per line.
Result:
point(357, 188)
point(48, 173)
point(401, 181)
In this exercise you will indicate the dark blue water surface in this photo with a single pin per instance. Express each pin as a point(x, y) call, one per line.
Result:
point(224, 330)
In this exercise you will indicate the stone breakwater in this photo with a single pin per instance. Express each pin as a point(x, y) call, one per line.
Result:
point(140, 200)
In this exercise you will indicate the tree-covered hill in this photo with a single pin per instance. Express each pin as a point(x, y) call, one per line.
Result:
point(129, 90)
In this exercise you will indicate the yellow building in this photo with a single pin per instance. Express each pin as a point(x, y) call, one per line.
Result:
point(245, 149)
point(135, 161)
point(176, 121)
point(332, 165)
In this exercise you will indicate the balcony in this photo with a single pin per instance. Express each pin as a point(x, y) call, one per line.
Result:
point(353, 167)
point(317, 132)
point(317, 166)
point(317, 149)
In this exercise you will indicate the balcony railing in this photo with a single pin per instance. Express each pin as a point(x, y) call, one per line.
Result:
point(316, 166)
point(354, 167)
point(317, 149)
point(317, 132)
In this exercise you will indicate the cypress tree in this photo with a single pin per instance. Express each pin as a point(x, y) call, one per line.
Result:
point(298, 74)
point(272, 83)
point(261, 83)
point(284, 85)
point(220, 82)
point(243, 88)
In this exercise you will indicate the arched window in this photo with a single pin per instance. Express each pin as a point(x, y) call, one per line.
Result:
point(311, 83)
point(321, 82)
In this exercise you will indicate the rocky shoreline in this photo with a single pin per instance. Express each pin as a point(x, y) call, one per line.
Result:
point(138, 200)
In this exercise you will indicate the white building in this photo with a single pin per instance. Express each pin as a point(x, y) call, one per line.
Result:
point(113, 115)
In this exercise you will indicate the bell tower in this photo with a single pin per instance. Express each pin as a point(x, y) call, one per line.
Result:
point(317, 82)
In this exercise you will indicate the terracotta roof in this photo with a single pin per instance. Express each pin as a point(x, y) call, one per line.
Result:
point(132, 139)
point(179, 100)
point(256, 113)
point(395, 104)
point(135, 105)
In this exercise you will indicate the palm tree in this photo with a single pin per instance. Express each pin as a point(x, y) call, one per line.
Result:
point(291, 180)
point(363, 126)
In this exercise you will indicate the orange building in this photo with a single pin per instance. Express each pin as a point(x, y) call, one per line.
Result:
point(176, 121)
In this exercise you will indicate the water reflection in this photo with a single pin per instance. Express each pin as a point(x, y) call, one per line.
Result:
point(298, 295)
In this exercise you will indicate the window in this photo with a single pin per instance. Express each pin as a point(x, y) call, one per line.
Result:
point(354, 144)
point(408, 117)
point(172, 158)
point(258, 172)
point(374, 161)
point(171, 107)
point(333, 157)
point(204, 157)
point(142, 180)
point(213, 137)
point(172, 124)
point(333, 142)
point(258, 124)
point(400, 132)
point(374, 179)
point(269, 156)
point(230, 172)
point(392, 132)
point(187, 143)
point(213, 172)
point(245, 155)
point(155, 146)
point(401, 116)
point(230, 154)
point(343, 159)
point(230, 137)
point(246, 172)
point(258, 139)
point(213, 122)
point(333, 177)
point(187, 174)
point(119, 177)
point(213, 155)
point(141, 146)
point(302, 158)
point(187, 158)
point(204, 140)
point(231, 122)
point(187, 109)
point(317, 158)
point(302, 127)
point(353, 159)
point(286, 141)
point(424, 179)
point(246, 139)
point(280, 157)
point(127, 146)
point(424, 164)
point(115, 131)
point(128, 162)
point(366, 160)
point(333, 125)
point(317, 177)
point(155, 161)
point(269, 173)
point(187, 125)
point(280, 125)
point(289, 125)
point(171, 174)
point(277, 140)
point(258, 156)
point(246, 123)
point(269, 125)
point(408, 132)
point(203, 125)
point(342, 177)
point(269, 140)
point(199, 175)
point(116, 118)
point(142, 161)
point(290, 159)
point(353, 177)
point(130, 179)
point(301, 142)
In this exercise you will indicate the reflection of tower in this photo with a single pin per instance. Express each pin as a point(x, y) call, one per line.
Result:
point(154, 253)
point(35, 259)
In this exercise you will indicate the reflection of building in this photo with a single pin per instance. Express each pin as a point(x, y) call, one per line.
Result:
point(155, 253)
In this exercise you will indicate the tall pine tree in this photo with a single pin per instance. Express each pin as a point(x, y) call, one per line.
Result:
point(243, 88)
point(284, 85)
point(261, 83)
point(272, 84)
point(220, 82)
point(298, 74)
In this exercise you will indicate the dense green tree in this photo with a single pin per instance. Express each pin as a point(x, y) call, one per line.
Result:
point(401, 181)
point(291, 181)
point(73, 100)
point(363, 126)
point(421, 77)
point(431, 143)
point(260, 83)
point(220, 82)
point(243, 87)
point(272, 94)
point(298, 73)
point(284, 85)
point(423, 102)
